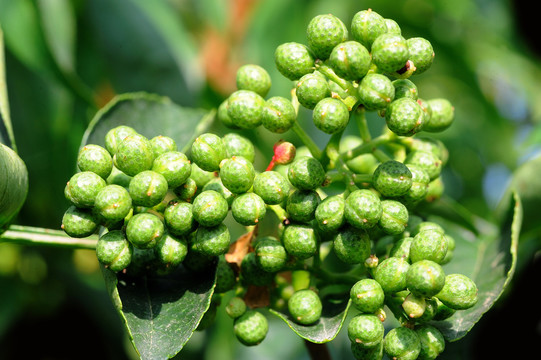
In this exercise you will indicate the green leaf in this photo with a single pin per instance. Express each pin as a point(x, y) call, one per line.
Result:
point(6, 130)
point(332, 318)
point(58, 23)
point(13, 185)
point(161, 313)
point(140, 50)
point(150, 115)
point(489, 259)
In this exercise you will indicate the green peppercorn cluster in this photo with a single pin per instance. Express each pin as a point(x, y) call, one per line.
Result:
point(346, 215)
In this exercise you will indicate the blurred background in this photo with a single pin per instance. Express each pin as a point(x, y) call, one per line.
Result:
point(65, 59)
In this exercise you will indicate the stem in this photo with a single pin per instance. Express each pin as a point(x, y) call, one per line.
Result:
point(330, 74)
point(365, 148)
point(280, 213)
point(360, 118)
point(307, 140)
point(317, 351)
point(26, 235)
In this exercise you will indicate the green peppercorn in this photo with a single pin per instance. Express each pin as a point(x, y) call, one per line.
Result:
point(351, 245)
point(363, 209)
point(392, 178)
point(279, 115)
point(302, 204)
point(300, 240)
point(95, 158)
point(210, 208)
point(350, 60)
point(255, 78)
point(237, 174)
point(306, 173)
point(248, 209)
point(148, 188)
point(402, 343)
point(144, 230)
point(208, 150)
point(134, 154)
point(367, 296)
point(114, 251)
point(211, 241)
point(251, 328)
point(271, 186)
point(425, 278)
point(178, 217)
point(366, 330)
point(174, 166)
point(293, 60)
point(162, 144)
point(83, 188)
point(270, 254)
point(238, 145)
point(459, 292)
point(79, 223)
point(305, 307)
point(330, 115)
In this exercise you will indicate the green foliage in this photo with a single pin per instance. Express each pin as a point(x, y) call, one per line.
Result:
point(70, 58)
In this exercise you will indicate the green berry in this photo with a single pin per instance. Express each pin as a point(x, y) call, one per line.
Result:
point(330, 115)
point(459, 292)
point(222, 115)
point(210, 208)
point(324, 32)
point(171, 250)
point(430, 144)
point(96, 159)
point(238, 145)
point(305, 307)
point(306, 173)
point(236, 307)
point(392, 178)
point(350, 60)
point(200, 176)
point(115, 136)
point(428, 245)
point(432, 341)
point(208, 150)
point(252, 274)
point(255, 78)
point(293, 60)
point(226, 279)
point(251, 328)
point(390, 52)
point(272, 187)
point(83, 188)
point(148, 188)
point(366, 330)
point(425, 278)
point(134, 154)
point(402, 343)
point(300, 241)
point(366, 26)
point(405, 88)
point(419, 186)
point(174, 166)
point(279, 115)
point(144, 230)
point(237, 174)
point(428, 161)
point(394, 217)
point(392, 26)
point(270, 254)
point(442, 114)
point(245, 108)
point(117, 177)
point(401, 248)
point(79, 223)
point(351, 245)
point(414, 305)
point(405, 117)
point(362, 164)
point(367, 296)
point(248, 209)
point(311, 88)
point(113, 203)
point(302, 204)
point(436, 188)
point(162, 144)
point(421, 53)
point(178, 218)
point(367, 353)
point(114, 251)
point(442, 311)
point(217, 185)
point(211, 241)
point(376, 91)
point(391, 274)
point(329, 213)
point(363, 209)
point(186, 192)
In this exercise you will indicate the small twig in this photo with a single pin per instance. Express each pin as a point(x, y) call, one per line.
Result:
point(317, 351)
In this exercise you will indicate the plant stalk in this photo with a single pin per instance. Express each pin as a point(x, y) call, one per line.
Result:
point(27, 235)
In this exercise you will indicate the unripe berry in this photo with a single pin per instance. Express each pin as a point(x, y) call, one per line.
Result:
point(300, 241)
point(251, 328)
point(363, 209)
point(329, 213)
point(148, 188)
point(293, 60)
point(350, 60)
point(367, 296)
point(211, 241)
point(311, 88)
point(134, 154)
point(421, 54)
point(270, 254)
point(174, 166)
point(237, 174)
point(432, 341)
point(83, 188)
point(272, 187)
point(402, 343)
point(255, 78)
point(392, 178)
point(405, 117)
point(96, 159)
point(390, 52)
point(324, 32)
point(366, 330)
point(115, 136)
point(245, 108)
point(114, 251)
point(302, 204)
point(279, 115)
point(144, 230)
point(236, 307)
point(207, 151)
point(248, 209)
point(238, 145)
point(459, 292)
point(306, 173)
point(391, 274)
point(305, 307)
point(425, 278)
point(161, 144)
point(179, 218)
point(113, 203)
point(171, 250)
point(79, 223)
point(210, 208)
point(366, 26)
point(330, 115)
point(442, 114)
point(376, 91)
point(351, 245)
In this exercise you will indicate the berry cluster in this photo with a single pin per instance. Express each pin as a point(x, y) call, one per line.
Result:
point(158, 208)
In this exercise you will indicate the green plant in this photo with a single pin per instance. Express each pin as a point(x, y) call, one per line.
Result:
point(325, 170)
